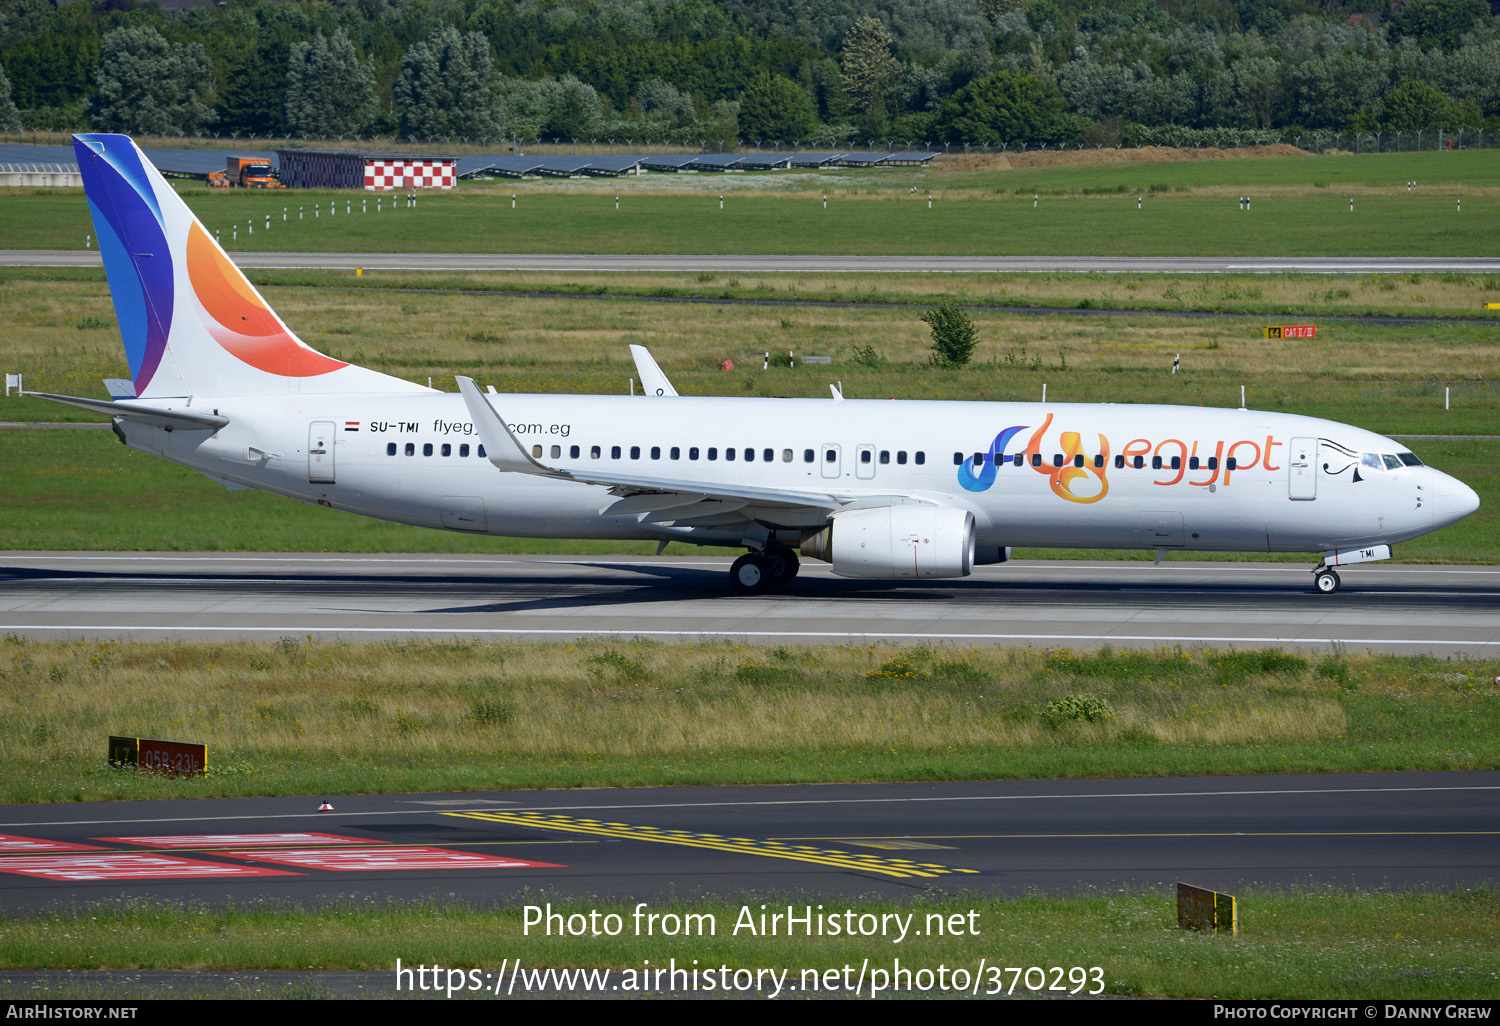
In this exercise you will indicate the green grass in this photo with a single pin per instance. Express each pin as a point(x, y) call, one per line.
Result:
point(303, 717)
point(1319, 944)
point(1304, 211)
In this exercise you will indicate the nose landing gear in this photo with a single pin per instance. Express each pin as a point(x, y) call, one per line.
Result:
point(1325, 580)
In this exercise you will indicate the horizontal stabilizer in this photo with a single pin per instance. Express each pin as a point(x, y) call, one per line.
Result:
point(137, 411)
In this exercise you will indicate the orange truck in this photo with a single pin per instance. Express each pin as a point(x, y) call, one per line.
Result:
point(246, 173)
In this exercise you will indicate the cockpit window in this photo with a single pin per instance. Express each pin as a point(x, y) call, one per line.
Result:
point(1372, 461)
point(1409, 459)
point(1391, 462)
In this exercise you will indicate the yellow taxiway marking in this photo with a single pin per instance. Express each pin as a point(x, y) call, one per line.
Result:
point(858, 861)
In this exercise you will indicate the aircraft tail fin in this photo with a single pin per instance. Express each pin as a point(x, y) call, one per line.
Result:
point(191, 322)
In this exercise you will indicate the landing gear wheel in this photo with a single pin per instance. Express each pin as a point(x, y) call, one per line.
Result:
point(784, 564)
point(751, 574)
point(1326, 581)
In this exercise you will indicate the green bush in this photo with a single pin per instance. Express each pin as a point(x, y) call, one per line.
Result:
point(1078, 707)
point(952, 334)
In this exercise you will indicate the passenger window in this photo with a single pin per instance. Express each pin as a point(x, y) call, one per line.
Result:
point(1176, 462)
point(921, 457)
point(594, 452)
point(749, 455)
point(1099, 462)
point(557, 452)
point(1036, 459)
point(713, 453)
point(1192, 463)
point(901, 457)
point(614, 452)
point(885, 456)
point(1231, 464)
point(693, 453)
point(536, 452)
point(656, 452)
point(1156, 463)
point(635, 452)
point(427, 449)
point(447, 449)
point(768, 455)
point(1078, 460)
point(808, 456)
point(675, 453)
point(729, 453)
point(1119, 462)
point(865, 455)
point(1057, 459)
point(1020, 459)
point(958, 459)
point(1213, 463)
point(786, 455)
point(411, 450)
point(481, 452)
point(979, 459)
point(573, 452)
point(463, 450)
point(1140, 462)
point(390, 449)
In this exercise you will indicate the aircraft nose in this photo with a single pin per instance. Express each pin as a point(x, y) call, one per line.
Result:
point(1455, 500)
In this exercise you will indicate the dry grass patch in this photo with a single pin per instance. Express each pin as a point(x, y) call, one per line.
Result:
point(355, 714)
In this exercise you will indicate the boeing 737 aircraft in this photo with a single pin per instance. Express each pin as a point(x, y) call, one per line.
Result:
point(879, 489)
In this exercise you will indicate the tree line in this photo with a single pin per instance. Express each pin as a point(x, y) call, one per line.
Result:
point(782, 72)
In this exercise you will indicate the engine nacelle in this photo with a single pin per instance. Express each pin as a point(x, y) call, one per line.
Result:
point(897, 542)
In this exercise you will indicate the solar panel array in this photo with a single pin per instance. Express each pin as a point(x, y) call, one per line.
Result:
point(32, 168)
point(198, 163)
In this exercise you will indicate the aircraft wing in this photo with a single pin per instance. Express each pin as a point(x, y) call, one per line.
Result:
point(653, 498)
point(143, 412)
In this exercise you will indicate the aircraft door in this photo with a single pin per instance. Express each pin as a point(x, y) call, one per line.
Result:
point(320, 442)
point(1302, 469)
point(864, 461)
point(832, 460)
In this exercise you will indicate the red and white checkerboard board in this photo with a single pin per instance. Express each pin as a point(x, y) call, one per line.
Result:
point(408, 174)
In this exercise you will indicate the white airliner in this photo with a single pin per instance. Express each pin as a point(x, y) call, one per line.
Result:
point(880, 489)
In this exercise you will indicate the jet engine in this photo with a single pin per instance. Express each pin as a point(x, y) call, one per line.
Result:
point(896, 541)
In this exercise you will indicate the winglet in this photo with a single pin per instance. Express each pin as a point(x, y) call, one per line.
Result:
point(652, 379)
point(500, 445)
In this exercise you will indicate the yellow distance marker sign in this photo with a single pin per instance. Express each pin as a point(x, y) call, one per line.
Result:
point(900, 868)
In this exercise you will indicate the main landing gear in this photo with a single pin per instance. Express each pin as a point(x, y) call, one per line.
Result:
point(755, 572)
point(1325, 579)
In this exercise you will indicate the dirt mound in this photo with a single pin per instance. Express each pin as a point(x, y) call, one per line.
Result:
point(971, 162)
